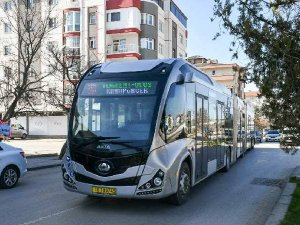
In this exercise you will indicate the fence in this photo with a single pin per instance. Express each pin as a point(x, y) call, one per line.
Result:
point(43, 126)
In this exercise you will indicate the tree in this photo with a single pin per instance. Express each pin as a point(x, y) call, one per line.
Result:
point(260, 121)
point(22, 82)
point(268, 33)
point(66, 66)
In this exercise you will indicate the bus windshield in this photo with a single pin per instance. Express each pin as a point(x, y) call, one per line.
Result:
point(122, 111)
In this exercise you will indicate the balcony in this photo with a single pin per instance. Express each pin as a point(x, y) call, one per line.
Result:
point(123, 51)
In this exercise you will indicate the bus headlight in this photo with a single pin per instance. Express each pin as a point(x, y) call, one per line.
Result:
point(156, 181)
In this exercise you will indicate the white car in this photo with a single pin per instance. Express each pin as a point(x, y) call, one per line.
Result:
point(13, 165)
point(273, 135)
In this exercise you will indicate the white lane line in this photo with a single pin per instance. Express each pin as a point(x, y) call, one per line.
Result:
point(49, 216)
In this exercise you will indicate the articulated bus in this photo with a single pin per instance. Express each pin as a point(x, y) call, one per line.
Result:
point(151, 129)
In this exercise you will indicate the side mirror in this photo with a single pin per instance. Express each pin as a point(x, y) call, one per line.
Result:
point(180, 79)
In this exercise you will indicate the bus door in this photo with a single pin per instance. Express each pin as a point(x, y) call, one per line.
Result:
point(201, 136)
point(220, 134)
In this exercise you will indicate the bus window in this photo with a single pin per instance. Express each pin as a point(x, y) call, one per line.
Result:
point(174, 114)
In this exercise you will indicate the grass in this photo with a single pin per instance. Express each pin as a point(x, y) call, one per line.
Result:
point(292, 216)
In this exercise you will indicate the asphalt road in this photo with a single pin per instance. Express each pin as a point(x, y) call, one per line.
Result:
point(243, 196)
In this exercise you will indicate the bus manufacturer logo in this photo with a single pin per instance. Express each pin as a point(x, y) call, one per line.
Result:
point(103, 147)
point(104, 167)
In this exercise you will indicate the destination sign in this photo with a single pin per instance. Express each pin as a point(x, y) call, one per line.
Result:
point(119, 88)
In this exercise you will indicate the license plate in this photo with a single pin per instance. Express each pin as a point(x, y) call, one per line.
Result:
point(104, 190)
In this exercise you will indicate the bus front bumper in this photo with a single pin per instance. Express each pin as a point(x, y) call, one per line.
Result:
point(117, 191)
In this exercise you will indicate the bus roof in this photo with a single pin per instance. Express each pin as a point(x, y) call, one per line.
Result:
point(133, 66)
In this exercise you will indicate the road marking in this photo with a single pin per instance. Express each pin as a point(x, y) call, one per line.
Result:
point(261, 161)
point(49, 216)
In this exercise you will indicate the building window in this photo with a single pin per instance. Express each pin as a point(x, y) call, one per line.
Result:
point(113, 17)
point(29, 26)
point(91, 63)
point(7, 6)
point(147, 43)
point(7, 50)
point(92, 18)
point(92, 41)
point(174, 53)
point(73, 42)
point(159, 2)
point(160, 48)
point(31, 73)
point(161, 26)
point(148, 19)
point(118, 46)
point(29, 3)
point(7, 28)
point(52, 2)
point(52, 45)
point(177, 12)
point(72, 21)
point(52, 23)
point(181, 38)
point(7, 71)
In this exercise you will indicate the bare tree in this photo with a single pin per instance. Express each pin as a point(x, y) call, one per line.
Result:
point(27, 27)
point(66, 66)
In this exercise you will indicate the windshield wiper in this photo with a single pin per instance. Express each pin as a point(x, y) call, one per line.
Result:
point(95, 139)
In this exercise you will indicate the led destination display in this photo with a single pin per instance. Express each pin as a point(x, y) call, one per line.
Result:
point(119, 88)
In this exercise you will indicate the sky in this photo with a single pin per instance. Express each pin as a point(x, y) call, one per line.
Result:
point(201, 32)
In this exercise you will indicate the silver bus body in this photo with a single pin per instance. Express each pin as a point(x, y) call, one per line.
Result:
point(164, 159)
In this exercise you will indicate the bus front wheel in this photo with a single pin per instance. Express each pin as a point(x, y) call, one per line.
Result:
point(183, 186)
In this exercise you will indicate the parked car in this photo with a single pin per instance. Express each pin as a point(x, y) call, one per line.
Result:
point(257, 135)
point(4, 131)
point(265, 132)
point(13, 165)
point(273, 135)
point(18, 131)
point(288, 138)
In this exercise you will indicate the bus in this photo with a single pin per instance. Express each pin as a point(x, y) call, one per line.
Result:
point(151, 129)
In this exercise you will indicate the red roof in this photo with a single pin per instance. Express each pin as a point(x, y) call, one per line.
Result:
point(251, 94)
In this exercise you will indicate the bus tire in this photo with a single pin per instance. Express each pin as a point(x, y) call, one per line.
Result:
point(183, 185)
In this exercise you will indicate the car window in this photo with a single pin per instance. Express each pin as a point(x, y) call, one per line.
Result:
point(273, 132)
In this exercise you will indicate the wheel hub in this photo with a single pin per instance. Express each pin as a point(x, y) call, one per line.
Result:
point(10, 177)
point(184, 183)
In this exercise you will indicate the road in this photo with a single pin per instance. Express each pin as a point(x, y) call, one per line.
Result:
point(239, 197)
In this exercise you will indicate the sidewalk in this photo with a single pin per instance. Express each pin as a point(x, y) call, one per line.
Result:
point(40, 153)
point(284, 201)
point(42, 162)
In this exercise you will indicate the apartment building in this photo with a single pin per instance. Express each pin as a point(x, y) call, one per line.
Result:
point(229, 74)
point(95, 31)
point(254, 98)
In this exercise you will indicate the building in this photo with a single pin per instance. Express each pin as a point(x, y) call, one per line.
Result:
point(254, 98)
point(90, 32)
point(231, 75)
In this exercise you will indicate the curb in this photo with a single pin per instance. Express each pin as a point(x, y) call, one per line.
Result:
point(42, 155)
point(43, 167)
point(283, 203)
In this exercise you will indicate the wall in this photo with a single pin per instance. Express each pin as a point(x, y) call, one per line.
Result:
point(44, 126)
